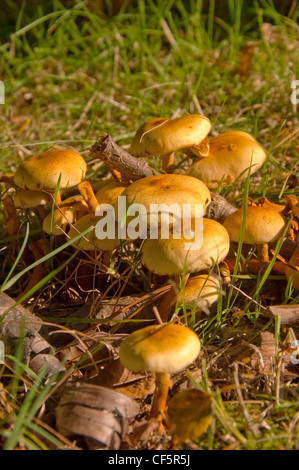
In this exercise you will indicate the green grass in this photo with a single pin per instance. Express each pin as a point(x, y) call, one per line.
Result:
point(71, 75)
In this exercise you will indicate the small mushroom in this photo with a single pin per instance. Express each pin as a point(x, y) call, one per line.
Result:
point(42, 171)
point(109, 191)
point(162, 137)
point(198, 295)
point(185, 252)
point(164, 350)
point(68, 212)
point(262, 226)
point(230, 157)
point(29, 199)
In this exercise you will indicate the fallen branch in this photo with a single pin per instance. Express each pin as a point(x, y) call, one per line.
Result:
point(288, 314)
point(116, 158)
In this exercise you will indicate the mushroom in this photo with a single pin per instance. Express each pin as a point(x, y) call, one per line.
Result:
point(109, 191)
point(230, 155)
point(198, 295)
point(88, 195)
point(29, 199)
point(262, 226)
point(185, 252)
point(162, 137)
point(168, 190)
point(68, 212)
point(42, 171)
point(164, 350)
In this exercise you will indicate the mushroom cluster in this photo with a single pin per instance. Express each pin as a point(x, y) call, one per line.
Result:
point(189, 255)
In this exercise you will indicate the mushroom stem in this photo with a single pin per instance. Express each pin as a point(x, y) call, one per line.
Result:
point(168, 162)
point(263, 252)
point(89, 196)
point(160, 397)
point(225, 271)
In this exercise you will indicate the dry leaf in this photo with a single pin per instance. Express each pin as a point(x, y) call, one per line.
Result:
point(124, 381)
point(52, 364)
point(16, 318)
point(97, 414)
point(139, 388)
point(189, 415)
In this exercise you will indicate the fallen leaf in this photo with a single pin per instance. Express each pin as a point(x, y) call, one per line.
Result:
point(189, 415)
point(17, 320)
point(97, 415)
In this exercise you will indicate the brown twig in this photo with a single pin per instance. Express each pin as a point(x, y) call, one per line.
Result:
point(116, 158)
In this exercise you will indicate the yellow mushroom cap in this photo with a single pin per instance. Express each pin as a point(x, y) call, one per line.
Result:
point(109, 192)
point(200, 292)
point(161, 349)
point(263, 225)
point(159, 136)
point(90, 241)
point(189, 252)
point(26, 199)
point(42, 171)
point(230, 156)
point(167, 189)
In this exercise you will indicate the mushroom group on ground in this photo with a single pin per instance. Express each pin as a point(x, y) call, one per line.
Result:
point(192, 254)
